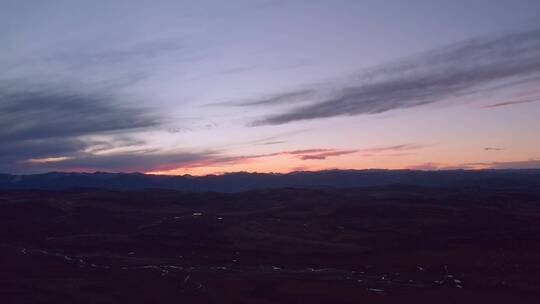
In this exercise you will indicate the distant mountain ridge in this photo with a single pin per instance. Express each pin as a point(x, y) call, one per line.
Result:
point(243, 181)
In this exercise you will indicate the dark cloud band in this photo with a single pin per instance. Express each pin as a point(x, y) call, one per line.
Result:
point(36, 123)
point(458, 70)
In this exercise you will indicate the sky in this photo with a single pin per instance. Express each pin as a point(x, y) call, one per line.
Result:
point(208, 87)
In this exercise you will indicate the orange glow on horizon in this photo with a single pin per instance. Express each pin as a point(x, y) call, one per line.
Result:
point(287, 164)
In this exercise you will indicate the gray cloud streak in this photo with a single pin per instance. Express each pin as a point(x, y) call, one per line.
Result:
point(40, 123)
point(324, 155)
point(51, 115)
point(394, 148)
point(533, 163)
point(457, 70)
point(129, 162)
point(511, 103)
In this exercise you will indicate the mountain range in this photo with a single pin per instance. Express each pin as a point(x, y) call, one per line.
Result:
point(244, 181)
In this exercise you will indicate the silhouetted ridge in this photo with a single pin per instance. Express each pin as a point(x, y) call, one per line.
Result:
point(243, 181)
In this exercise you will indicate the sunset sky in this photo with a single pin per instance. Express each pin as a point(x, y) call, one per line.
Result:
point(200, 87)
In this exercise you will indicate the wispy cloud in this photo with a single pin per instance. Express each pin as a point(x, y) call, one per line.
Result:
point(48, 159)
point(303, 154)
point(276, 99)
point(511, 103)
point(268, 143)
point(493, 149)
point(458, 70)
point(394, 148)
point(159, 161)
point(533, 163)
point(81, 158)
point(41, 115)
point(324, 155)
point(127, 162)
point(218, 160)
point(52, 123)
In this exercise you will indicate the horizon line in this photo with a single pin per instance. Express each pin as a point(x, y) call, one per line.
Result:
point(277, 173)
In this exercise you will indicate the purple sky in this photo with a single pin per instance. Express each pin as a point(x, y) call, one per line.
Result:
point(273, 86)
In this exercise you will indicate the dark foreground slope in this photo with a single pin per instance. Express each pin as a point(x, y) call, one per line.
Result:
point(371, 245)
